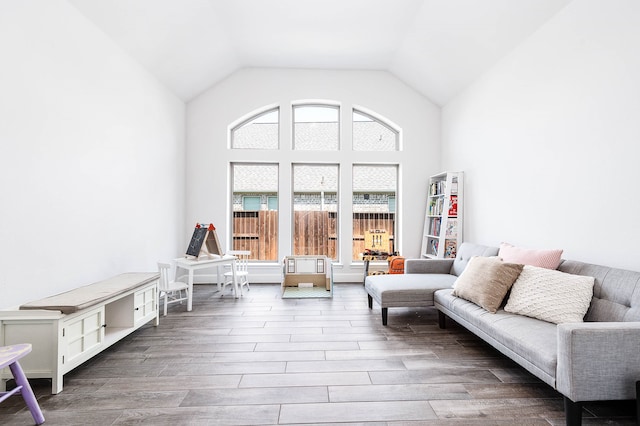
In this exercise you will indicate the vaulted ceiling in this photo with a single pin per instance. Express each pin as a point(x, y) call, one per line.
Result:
point(438, 47)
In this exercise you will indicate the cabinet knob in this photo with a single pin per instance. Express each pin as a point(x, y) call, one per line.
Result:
point(104, 325)
point(137, 309)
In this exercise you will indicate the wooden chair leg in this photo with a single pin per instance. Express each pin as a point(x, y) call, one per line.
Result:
point(27, 392)
point(370, 301)
point(166, 299)
point(385, 311)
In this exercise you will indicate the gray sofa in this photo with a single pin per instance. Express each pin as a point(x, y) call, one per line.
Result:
point(595, 360)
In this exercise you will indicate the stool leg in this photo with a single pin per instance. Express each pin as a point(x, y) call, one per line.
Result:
point(27, 392)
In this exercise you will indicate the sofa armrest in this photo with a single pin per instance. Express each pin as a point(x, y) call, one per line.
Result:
point(598, 360)
point(428, 266)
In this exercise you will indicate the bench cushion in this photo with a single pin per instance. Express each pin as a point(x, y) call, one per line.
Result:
point(92, 294)
point(407, 289)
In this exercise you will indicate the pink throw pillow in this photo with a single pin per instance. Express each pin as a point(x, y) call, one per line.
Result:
point(549, 259)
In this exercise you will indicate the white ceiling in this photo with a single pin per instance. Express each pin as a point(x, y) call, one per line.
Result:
point(437, 47)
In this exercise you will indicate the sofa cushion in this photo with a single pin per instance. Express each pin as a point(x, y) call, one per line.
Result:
point(550, 295)
point(465, 252)
point(615, 293)
point(486, 281)
point(407, 289)
point(543, 258)
point(533, 342)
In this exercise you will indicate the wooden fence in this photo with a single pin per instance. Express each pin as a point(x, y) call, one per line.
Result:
point(315, 232)
point(258, 232)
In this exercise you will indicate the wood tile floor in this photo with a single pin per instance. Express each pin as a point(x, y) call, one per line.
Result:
point(266, 360)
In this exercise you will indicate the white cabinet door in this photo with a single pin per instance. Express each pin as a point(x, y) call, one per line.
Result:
point(83, 334)
point(145, 304)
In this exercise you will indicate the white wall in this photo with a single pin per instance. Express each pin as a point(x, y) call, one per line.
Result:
point(92, 150)
point(550, 138)
point(209, 116)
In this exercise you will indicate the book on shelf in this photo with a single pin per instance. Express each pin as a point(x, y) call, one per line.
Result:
point(436, 206)
point(453, 205)
point(437, 188)
point(434, 246)
point(450, 248)
point(435, 226)
point(451, 231)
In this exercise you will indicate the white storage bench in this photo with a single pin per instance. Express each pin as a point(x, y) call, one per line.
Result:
point(69, 328)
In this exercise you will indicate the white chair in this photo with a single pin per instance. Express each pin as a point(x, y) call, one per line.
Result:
point(169, 290)
point(242, 270)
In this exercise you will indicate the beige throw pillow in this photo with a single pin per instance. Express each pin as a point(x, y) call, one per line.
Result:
point(485, 281)
point(551, 296)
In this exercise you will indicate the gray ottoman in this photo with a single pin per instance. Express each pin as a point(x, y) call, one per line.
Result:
point(404, 290)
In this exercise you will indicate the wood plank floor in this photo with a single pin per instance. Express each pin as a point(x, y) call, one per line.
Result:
point(266, 360)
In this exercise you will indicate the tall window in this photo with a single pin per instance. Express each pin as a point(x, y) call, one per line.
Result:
point(374, 203)
point(315, 210)
point(314, 160)
point(255, 210)
point(372, 134)
point(316, 127)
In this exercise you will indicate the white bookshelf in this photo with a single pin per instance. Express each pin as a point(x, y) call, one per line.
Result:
point(443, 221)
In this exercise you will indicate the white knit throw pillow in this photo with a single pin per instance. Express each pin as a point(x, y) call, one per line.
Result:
point(550, 295)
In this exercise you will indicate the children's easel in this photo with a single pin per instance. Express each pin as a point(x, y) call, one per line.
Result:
point(204, 242)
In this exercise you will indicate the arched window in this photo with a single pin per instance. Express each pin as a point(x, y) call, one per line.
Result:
point(257, 132)
point(372, 134)
point(313, 181)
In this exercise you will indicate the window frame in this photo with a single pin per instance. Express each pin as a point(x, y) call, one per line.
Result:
point(253, 198)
